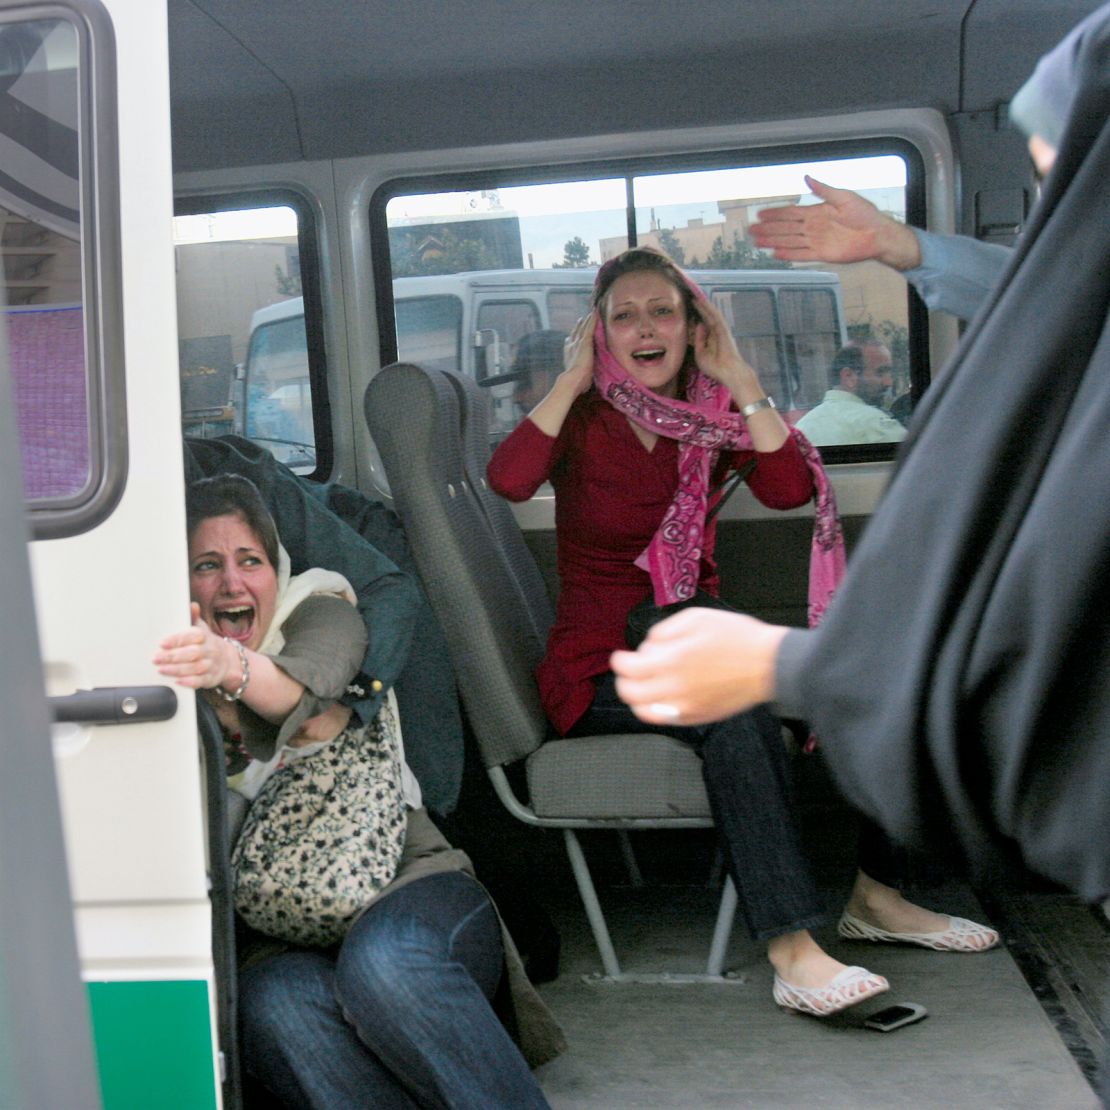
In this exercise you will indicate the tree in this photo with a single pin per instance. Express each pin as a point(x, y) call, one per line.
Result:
point(446, 252)
point(288, 285)
point(576, 255)
point(740, 256)
point(674, 250)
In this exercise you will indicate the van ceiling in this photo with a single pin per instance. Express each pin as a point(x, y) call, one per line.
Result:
point(265, 81)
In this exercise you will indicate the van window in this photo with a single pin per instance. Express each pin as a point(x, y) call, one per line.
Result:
point(429, 331)
point(789, 334)
point(277, 401)
point(527, 239)
point(751, 317)
point(505, 324)
point(789, 319)
point(63, 332)
point(811, 336)
point(565, 309)
point(248, 332)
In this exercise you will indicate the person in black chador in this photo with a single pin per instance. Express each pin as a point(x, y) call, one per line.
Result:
point(982, 584)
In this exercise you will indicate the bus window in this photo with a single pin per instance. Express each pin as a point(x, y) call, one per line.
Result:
point(51, 335)
point(810, 336)
point(429, 331)
point(534, 235)
point(509, 321)
point(276, 407)
point(565, 309)
point(244, 349)
point(789, 319)
point(701, 219)
point(750, 314)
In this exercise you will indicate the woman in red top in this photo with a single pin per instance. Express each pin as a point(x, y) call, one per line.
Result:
point(614, 480)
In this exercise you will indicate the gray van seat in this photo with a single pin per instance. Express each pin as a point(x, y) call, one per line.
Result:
point(429, 428)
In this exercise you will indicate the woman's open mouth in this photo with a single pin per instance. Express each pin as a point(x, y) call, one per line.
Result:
point(235, 622)
point(649, 356)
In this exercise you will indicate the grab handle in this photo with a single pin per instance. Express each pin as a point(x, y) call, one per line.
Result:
point(115, 705)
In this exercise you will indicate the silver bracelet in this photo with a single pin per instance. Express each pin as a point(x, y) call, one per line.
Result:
point(757, 406)
point(244, 666)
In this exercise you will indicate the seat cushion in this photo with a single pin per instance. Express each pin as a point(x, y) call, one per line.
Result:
point(633, 775)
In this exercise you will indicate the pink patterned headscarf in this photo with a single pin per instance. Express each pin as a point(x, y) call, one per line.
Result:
point(705, 426)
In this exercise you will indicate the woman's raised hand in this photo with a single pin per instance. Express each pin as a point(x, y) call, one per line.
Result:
point(196, 658)
point(715, 347)
point(576, 378)
point(716, 353)
point(578, 354)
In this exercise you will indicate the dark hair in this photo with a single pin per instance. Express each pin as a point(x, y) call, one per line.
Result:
point(639, 259)
point(231, 495)
point(850, 357)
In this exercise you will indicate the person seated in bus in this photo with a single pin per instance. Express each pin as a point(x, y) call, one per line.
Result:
point(616, 471)
point(851, 410)
point(537, 363)
point(399, 1013)
point(996, 731)
point(953, 273)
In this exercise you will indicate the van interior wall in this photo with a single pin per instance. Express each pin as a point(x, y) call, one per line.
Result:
point(253, 83)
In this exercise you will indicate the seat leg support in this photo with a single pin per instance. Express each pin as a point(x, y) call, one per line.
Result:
point(631, 865)
point(723, 929)
point(593, 907)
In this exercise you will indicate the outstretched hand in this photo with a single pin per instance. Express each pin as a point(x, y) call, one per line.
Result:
point(844, 228)
point(196, 658)
point(698, 666)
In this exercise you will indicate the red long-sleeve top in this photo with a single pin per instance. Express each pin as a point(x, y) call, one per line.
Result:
point(610, 496)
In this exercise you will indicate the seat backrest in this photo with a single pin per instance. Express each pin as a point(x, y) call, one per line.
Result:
point(474, 407)
point(415, 419)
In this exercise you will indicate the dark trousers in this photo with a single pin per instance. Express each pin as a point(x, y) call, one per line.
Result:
point(879, 856)
point(748, 780)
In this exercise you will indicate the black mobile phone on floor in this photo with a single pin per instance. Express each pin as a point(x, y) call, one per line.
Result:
point(894, 1017)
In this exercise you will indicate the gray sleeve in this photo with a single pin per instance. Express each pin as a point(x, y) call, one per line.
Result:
point(957, 272)
point(790, 669)
point(325, 639)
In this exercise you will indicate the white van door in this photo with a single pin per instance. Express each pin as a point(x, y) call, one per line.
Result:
point(93, 351)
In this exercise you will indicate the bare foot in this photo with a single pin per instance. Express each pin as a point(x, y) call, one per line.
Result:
point(881, 908)
point(801, 961)
point(885, 908)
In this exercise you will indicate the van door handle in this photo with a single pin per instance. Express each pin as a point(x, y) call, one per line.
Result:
point(115, 705)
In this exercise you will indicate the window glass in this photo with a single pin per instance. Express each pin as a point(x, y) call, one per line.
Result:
point(750, 315)
point(505, 260)
point(243, 346)
point(565, 309)
point(501, 326)
point(40, 242)
point(278, 397)
point(791, 332)
point(811, 337)
point(789, 319)
point(429, 330)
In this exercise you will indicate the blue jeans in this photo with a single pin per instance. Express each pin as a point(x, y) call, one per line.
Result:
point(398, 1016)
point(747, 777)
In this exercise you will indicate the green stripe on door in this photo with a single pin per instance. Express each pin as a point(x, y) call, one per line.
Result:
point(153, 1044)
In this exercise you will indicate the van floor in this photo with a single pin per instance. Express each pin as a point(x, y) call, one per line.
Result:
point(1015, 1027)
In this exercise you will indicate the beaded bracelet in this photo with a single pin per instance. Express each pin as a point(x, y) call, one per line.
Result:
point(244, 666)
